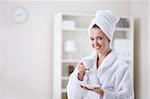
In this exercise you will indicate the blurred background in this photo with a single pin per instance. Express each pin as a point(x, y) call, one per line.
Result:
point(26, 44)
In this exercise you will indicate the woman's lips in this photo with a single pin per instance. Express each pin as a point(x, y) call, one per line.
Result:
point(98, 48)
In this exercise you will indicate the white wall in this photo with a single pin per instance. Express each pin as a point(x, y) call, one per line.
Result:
point(26, 66)
point(27, 53)
point(148, 49)
point(140, 12)
point(0, 49)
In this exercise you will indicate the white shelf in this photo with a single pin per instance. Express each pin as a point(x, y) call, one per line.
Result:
point(64, 90)
point(65, 78)
point(70, 61)
point(76, 29)
point(86, 29)
point(76, 14)
point(123, 29)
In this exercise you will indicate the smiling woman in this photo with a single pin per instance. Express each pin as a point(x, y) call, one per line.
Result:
point(99, 40)
point(83, 43)
point(28, 45)
point(109, 71)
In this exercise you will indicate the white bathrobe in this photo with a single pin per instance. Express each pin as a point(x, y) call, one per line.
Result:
point(113, 75)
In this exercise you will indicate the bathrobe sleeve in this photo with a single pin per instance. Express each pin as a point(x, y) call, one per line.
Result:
point(74, 91)
point(123, 85)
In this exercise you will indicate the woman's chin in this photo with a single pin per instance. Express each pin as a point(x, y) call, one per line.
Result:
point(98, 51)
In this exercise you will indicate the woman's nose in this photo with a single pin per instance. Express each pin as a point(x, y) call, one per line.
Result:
point(95, 43)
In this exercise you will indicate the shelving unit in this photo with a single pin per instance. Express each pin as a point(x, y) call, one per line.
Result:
point(75, 29)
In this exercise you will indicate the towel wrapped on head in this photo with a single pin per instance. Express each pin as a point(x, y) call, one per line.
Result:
point(106, 21)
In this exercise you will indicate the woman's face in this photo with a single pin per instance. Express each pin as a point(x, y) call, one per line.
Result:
point(99, 40)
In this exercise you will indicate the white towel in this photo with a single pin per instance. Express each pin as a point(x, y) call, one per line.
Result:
point(106, 21)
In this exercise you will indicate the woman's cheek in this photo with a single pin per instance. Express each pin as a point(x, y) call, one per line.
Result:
point(92, 44)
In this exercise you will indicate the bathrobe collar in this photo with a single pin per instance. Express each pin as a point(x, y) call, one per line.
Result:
point(107, 62)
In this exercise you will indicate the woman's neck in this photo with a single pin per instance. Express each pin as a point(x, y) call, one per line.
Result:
point(101, 57)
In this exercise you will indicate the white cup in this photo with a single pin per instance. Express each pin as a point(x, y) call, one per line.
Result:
point(88, 63)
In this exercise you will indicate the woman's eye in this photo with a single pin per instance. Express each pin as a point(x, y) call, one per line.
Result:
point(100, 38)
point(91, 39)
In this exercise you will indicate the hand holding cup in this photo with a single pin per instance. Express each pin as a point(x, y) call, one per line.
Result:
point(88, 63)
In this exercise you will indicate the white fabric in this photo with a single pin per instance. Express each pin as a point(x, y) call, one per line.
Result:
point(113, 75)
point(106, 20)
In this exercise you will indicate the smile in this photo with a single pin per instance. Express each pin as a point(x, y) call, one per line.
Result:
point(98, 48)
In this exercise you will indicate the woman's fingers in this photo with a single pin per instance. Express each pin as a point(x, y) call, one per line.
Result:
point(92, 89)
point(81, 71)
point(81, 68)
point(83, 87)
point(95, 89)
point(87, 88)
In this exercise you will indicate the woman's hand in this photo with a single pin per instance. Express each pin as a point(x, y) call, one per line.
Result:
point(81, 72)
point(96, 89)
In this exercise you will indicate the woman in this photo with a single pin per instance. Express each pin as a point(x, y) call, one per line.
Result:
point(109, 72)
